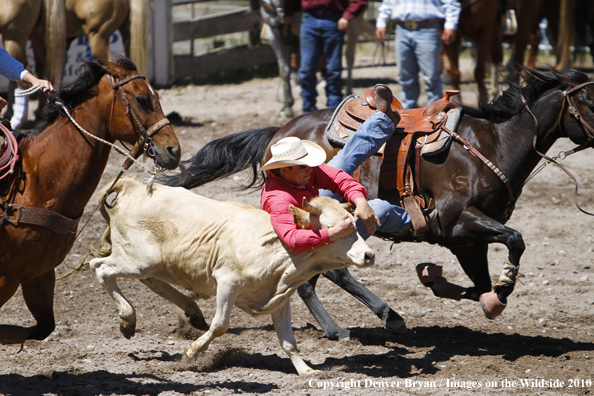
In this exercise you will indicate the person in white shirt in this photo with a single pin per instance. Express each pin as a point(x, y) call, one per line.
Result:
point(418, 42)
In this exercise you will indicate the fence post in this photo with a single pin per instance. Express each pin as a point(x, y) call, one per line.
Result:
point(254, 34)
point(162, 43)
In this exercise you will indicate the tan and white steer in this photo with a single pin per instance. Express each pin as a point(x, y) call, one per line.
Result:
point(175, 237)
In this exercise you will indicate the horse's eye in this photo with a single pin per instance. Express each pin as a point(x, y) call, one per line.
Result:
point(142, 101)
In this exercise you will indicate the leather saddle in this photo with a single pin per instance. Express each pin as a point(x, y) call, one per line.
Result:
point(420, 132)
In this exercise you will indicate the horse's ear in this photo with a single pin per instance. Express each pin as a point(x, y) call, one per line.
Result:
point(300, 217)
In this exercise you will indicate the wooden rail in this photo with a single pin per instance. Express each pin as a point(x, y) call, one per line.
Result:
point(236, 21)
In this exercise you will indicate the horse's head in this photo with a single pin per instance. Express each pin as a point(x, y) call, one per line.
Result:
point(136, 116)
point(577, 114)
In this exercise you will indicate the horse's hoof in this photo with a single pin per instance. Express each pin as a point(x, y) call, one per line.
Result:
point(10, 334)
point(397, 326)
point(444, 289)
point(198, 322)
point(491, 305)
point(428, 272)
point(340, 335)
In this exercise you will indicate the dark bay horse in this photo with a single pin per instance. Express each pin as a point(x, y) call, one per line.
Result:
point(58, 171)
point(472, 202)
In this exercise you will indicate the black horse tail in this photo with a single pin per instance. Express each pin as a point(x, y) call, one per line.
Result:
point(224, 157)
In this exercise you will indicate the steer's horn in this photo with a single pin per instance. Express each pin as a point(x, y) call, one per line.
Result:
point(311, 208)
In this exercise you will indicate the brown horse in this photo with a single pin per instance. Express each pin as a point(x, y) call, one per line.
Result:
point(99, 19)
point(480, 21)
point(60, 168)
point(472, 202)
point(530, 13)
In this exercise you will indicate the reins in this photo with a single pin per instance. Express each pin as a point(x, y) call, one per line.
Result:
point(53, 220)
point(574, 111)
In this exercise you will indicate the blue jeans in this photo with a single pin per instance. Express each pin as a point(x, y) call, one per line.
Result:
point(419, 50)
point(320, 36)
point(368, 139)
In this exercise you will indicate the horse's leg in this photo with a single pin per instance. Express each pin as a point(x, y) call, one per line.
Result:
point(307, 292)
point(275, 37)
point(99, 43)
point(479, 72)
point(39, 297)
point(169, 293)
point(10, 334)
point(281, 320)
point(476, 225)
point(451, 51)
point(343, 278)
point(353, 32)
point(474, 262)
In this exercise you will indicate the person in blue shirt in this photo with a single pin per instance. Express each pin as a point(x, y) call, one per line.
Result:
point(14, 70)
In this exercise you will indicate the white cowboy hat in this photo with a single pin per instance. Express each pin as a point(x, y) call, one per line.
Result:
point(292, 151)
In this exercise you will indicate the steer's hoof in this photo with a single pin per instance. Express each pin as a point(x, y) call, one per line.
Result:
point(186, 359)
point(127, 330)
point(491, 305)
point(428, 272)
point(397, 326)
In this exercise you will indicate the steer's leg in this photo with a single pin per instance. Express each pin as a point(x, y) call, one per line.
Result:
point(107, 271)
point(307, 292)
point(171, 294)
point(282, 325)
point(226, 294)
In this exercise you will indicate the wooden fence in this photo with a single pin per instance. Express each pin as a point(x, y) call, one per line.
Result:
point(169, 67)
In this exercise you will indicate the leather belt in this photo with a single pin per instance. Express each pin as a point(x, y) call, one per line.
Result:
point(414, 25)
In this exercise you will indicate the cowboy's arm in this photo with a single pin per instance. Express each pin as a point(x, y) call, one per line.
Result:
point(342, 183)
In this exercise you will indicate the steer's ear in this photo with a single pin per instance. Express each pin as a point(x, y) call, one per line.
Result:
point(300, 217)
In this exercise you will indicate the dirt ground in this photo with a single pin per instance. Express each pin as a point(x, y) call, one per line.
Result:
point(545, 336)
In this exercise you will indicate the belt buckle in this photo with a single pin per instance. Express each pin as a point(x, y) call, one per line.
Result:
point(411, 25)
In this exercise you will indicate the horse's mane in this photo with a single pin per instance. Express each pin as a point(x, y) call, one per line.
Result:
point(536, 83)
point(82, 89)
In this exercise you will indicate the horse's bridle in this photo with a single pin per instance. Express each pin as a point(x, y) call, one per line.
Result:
point(144, 143)
point(575, 112)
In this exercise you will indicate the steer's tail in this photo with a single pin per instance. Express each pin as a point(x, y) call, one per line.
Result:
point(224, 157)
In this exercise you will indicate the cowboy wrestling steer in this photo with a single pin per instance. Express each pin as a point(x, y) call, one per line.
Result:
point(175, 237)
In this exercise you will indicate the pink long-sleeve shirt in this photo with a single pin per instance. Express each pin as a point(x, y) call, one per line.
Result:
point(278, 194)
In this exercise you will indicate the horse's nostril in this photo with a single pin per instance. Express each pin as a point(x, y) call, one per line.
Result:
point(369, 257)
point(173, 151)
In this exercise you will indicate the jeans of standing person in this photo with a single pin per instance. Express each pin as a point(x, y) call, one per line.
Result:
point(320, 36)
point(368, 139)
point(419, 50)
